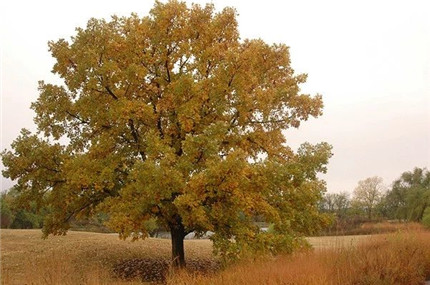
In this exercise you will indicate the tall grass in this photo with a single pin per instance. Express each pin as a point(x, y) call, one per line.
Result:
point(357, 226)
point(59, 268)
point(396, 258)
point(400, 258)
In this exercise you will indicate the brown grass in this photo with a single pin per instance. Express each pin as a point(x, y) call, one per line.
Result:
point(384, 228)
point(402, 258)
point(79, 257)
point(356, 226)
point(89, 258)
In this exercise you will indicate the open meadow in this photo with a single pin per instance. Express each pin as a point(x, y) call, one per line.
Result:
point(95, 258)
point(83, 257)
point(86, 257)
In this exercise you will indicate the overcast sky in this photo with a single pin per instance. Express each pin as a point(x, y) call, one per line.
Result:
point(369, 59)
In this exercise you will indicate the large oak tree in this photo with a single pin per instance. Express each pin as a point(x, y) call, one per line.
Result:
point(173, 116)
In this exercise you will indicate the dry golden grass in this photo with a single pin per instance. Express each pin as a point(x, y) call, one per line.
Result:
point(355, 226)
point(89, 258)
point(78, 257)
point(402, 258)
point(384, 228)
point(330, 242)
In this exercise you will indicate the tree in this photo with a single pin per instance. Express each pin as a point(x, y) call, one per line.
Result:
point(341, 203)
point(327, 203)
point(173, 117)
point(337, 203)
point(410, 195)
point(426, 218)
point(368, 194)
point(6, 215)
point(18, 215)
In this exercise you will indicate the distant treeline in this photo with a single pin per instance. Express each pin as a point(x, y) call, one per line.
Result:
point(406, 200)
point(16, 214)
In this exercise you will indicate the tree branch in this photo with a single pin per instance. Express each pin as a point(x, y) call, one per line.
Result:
point(136, 138)
point(269, 121)
point(111, 93)
point(182, 64)
point(50, 169)
point(166, 65)
point(256, 143)
point(77, 118)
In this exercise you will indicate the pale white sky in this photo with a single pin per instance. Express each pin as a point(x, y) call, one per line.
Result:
point(369, 59)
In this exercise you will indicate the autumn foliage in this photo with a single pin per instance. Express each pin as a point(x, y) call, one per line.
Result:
point(172, 116)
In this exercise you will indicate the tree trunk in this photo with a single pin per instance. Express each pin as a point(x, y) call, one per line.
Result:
point(177, 231)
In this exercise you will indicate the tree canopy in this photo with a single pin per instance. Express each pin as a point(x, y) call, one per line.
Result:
point(410, 195)
point(336, 203)
point(368, 194)
point(172, 116)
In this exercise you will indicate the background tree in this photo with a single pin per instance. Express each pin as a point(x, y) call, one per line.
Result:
point(327, 203)
point(341, 204)
point(6, 214)
point(18, 215)
point(336, 203)
point(368, 194)
point(426, 218)
point(173, 117)
point(410, 195)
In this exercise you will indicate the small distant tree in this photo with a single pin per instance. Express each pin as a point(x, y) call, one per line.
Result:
point(336, 203)
point(173, 117)
point(327, 203)
point(384, 208)
point(341, 204)
point(368, 194)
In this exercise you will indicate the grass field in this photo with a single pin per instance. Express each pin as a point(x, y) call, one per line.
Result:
point(79, 257)
point(401, 258)
point(95, 258)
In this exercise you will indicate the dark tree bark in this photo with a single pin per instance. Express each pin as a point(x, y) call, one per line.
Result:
point(178, 234)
